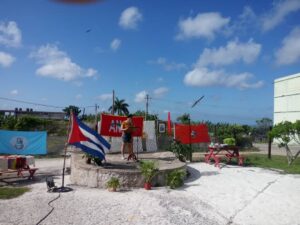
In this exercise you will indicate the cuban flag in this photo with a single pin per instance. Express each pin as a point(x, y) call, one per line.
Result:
point(87, 139)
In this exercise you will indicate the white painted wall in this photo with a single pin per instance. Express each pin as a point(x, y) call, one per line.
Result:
point(287, 98)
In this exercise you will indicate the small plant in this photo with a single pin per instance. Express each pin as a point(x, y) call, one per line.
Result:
point(113, 183)
point(148, 170)
point(181, 151)
point(175, 178)
point(229, 141)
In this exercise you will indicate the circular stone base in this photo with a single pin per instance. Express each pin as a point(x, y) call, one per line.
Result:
point(127, 172)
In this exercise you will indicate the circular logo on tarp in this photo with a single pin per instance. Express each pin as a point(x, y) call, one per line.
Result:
point(194, 134)
point(18, 143)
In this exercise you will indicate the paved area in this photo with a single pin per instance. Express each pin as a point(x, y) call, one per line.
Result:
point(275, 150)
point(231, 195)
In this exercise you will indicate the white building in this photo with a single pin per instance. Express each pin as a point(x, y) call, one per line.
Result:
point(287, 98)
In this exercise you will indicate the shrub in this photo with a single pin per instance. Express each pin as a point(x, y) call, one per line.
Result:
point(175, 178)
point(229, 141)
point(113, 182)
point(181, 151)
point(244, 141)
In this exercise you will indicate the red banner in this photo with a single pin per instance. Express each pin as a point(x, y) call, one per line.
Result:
point(111, 125)
point(191, 134)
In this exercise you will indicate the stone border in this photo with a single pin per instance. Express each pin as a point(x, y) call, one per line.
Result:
point(96, 177)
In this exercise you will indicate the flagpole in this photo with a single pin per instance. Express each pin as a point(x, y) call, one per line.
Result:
point(62, 188)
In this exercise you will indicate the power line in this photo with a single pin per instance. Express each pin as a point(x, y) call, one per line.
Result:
point(39, 104)
point(31, 103)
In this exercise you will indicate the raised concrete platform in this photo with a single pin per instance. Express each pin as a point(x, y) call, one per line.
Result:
point(128, 172)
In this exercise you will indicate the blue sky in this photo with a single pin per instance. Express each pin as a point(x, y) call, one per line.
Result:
point(61, 54)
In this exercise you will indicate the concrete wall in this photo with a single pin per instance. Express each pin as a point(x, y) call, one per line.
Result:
point(287, 99)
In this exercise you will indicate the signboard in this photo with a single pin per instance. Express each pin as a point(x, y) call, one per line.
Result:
point(23, 142)
point(111, 125)
point(187, 134)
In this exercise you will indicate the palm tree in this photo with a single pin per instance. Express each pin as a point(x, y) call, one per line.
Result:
point(184, 118)
point(120, 107)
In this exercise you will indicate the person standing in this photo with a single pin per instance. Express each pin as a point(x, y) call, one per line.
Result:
point(127, 129)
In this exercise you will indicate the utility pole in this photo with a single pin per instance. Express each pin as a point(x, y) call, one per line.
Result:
point(96, 107)
point(147, 105)
point(113, 103)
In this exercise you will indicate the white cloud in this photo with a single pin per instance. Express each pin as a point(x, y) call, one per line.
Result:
point(289, 52)
point(160, 79)
point(168, 66)
point(280, 10)
point(115, 44)
point(130, 17)
point(203, 25)
point(10, 34)
point(140, 97)
point(78, 97)
point(245, 22)
point(159, 92)
point(105, 97)
point(6, 59)
point(14, 92)
point(57, 64)
point(203, 77)
point(231, 53)
point(90, 72)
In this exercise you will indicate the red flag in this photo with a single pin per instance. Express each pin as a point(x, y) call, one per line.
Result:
point(169, 124)
point(191, 134)
point(111, 125)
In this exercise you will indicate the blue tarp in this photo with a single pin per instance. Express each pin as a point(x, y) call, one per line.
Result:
point(23, 142)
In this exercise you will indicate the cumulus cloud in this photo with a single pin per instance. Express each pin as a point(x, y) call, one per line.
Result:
point(203, 77)
point(6, 59)
point(57, 64)
point(130, 18)
point(78, 97)
point(278, 13)
point(159, 92)
point(204, 25)
point(14, 92)
point(289, 52)
point(115, 44)
point(231, 53)
point(105, 97)
point(10, 34)
point(168, 66)
point(140, 97)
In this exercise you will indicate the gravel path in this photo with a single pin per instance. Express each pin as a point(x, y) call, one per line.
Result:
point(232, 195)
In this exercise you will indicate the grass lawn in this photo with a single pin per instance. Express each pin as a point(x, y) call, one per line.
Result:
point(12, 192)
point(276, 162)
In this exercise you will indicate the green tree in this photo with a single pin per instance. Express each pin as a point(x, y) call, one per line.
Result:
point(76, 110)
point(143, 113)
point(120, 107)
point(184, 118)
point(262, 128)
point(285, 132)
point(8, 122)
point(29, 123)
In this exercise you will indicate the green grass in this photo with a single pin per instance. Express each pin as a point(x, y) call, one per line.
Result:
point(276, 162)
point(12, 192)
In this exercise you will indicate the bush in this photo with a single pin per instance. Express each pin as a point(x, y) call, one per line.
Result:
point(181, 151)
point(244, 141)
point(229, 141)
point(113, 183)
point(175, 178)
